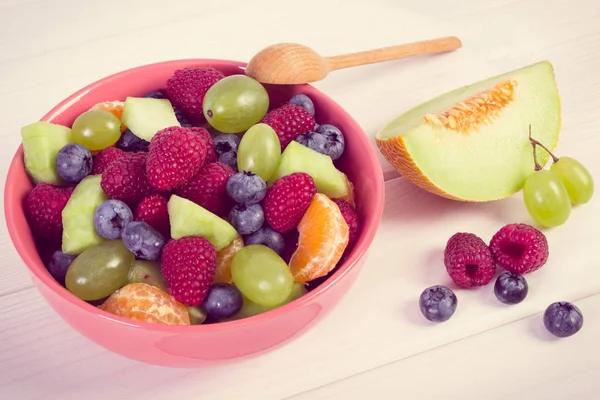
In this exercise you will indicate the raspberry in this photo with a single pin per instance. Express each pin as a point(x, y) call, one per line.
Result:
point(287, 201)
point(175, 155)
point(188, 266)
point(208, 188)
point(125, 179)
point(468, 260)
point(43, 209)
point(104, 158)
point(153, 210)
point(204, 135)
point(289, 121)
point(519, 248)
point(351, 219)
point(187, 87)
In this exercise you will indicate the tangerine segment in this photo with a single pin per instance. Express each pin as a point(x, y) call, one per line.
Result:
point(323, 239)
point(113, 107)
point(224, 258)
point(146, 303)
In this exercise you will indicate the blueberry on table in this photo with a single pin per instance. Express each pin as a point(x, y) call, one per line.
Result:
point(511, 288)
point(438, 303)
point(563, 319)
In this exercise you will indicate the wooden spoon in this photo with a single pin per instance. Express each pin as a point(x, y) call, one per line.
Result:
point(290, 63)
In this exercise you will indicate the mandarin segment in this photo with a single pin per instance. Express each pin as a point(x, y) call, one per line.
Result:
point(224, 258)
point(113, 107)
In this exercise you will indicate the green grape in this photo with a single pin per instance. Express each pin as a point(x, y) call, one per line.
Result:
point(96, 129)
point(546, 198)
point(235, 103)
point(99, 271)
point(577, 180)
point(197, 315)
point(261, 275)
point(250, 308)
point(259, 151)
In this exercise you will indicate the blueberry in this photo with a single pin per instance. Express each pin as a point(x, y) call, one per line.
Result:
point(303, 101)
point(438, 303)
point(74, 162)
point(143, 240)
point(511, 288)
point(184, 121)
point(156, 94)
point(222, 301)
point(247, 219)
point(268, 237)
point(316, 141)
point(129, 142)
point(226, 143)
point(337, 142)
point(563, 319)
point(229, 158)
point(58, 265)
point(111, 217)
point(246, 188)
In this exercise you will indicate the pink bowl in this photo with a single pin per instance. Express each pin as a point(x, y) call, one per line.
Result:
point(199, 345)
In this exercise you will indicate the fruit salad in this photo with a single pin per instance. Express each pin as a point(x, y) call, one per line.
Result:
point(199, 202)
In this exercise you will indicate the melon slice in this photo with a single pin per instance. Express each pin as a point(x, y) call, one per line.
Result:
point(472, 144)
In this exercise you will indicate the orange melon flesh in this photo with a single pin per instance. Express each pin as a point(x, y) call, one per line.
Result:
point(472, 143)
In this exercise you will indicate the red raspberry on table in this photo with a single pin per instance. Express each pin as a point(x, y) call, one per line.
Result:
point(289, 121)
point(208, 188)
point(209, 144)
point(351, 219)
point(154, 211)
point(188, 266)
point(519, 248)
point(187, 86)
point(287, 200)
point(175, 155)
point(468, 260)
point(43, 209)
point(125, 179)
point(104, 158)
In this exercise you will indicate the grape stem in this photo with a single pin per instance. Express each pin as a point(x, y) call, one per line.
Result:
point(534, 144)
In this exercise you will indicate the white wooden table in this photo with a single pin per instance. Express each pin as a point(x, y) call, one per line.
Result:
point(375, 344)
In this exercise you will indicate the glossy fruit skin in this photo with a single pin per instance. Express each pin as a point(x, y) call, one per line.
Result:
point(563, 319)
point(96, 129)
point(73, 162)
point(247, 219)
point(577, 179)
point(246, 188)
point(303, 101)
point(546, 199)
point(268, 237)
point(111, 217)
point(143, 240)
point(223, 301)
point(511, 288)
point(99, 271)
point(59, 264)
point(259, 151)
point(438, 303)
point(208, 345)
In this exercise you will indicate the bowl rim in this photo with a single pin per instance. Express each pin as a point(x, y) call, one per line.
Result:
point(364, 240)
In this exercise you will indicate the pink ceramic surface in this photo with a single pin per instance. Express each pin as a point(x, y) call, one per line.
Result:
point(191, 346)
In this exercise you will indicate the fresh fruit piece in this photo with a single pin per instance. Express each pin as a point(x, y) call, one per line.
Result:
point(470, 144)
point(143, 240)
point(327, 140)
point(268, 237)
point(303, 101)
point(189, 219)
point(246, 188)
point(175, 155)
point(130, 142)
point(41, 142)
point(247, 219)
point(250, 308)
point(519, 248)
point(351, 219)
point(438, 303)
point(259, 151)
point(79, 231)
point(143, 271)
point(328, 179)
point(181, 117)
point(146, 116)
point(287, 201)
point(187, 87)
point(43, 209)
point(104, 158)
point(59, 264)
point(224, 258)
point(209, 144)
point(188, 266)
point(99, 270)
point(563, 319)
point(96, 129)
point(323, 239)
point(261, 275)
point(146, 303)
point(546, 199)
point(125, 179)
point(511, 288)
point(235, 103)
point(208, 188)
point(73, 162)
point(468, 260)
point(197, 315)
point(113, 107)
point(226, 147)
point(223, 301)
point(289, 121)
point(153, 211)
point(111, 217)
point(576, 178)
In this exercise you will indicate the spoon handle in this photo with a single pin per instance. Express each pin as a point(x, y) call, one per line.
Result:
point(439, 45)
